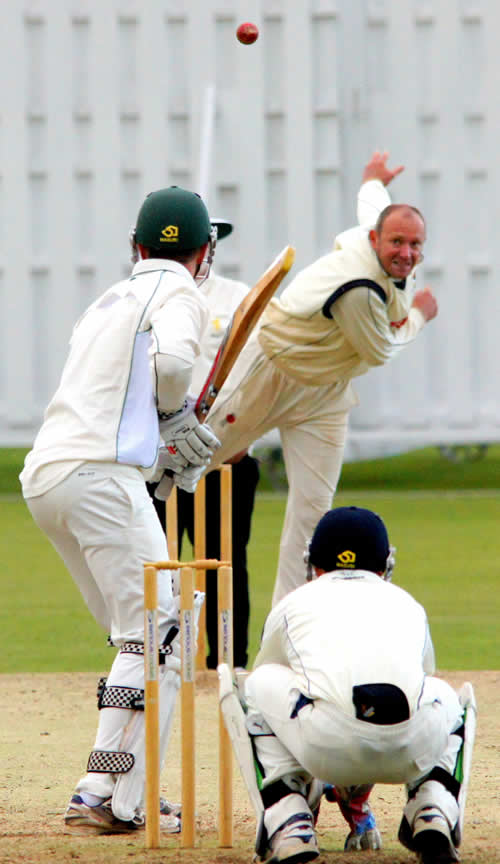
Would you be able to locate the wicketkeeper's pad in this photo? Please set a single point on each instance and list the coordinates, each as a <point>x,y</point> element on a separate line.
<point>234,720</point>
<point>463,769</point>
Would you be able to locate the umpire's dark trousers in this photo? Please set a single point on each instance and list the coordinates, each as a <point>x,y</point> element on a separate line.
<point>244,484</point>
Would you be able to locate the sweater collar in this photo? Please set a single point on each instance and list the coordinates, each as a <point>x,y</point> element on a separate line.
<point>147,265</point>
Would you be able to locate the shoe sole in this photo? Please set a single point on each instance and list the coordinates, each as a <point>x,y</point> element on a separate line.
<point>298,858</point>
<point>88,829</point>
<point>94,830</point>
<point>433,847</point>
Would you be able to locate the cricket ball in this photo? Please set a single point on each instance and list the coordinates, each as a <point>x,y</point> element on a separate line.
<point>247,33</point>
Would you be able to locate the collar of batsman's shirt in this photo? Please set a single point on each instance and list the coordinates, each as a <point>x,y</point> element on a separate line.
<point>148,265</point>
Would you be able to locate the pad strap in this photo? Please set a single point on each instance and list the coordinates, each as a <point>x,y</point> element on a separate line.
<point>164,650</point>
<point>447,780</point>
<point>110,762</point>
<point>119,697</point>
<point>132,648</point>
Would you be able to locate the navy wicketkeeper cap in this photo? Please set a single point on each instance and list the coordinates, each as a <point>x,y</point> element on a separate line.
<point>350,538</point>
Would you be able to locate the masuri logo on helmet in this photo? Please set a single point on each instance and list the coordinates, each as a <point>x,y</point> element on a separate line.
<point>170,234</point>
<point>346,559</point>
<point>351,538</point>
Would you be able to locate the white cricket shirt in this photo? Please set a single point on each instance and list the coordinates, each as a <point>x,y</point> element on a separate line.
<point>317,341</point>
<point>105,408</point>
<point>348,628</point>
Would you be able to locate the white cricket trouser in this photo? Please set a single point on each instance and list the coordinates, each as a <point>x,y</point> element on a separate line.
<point>342,750</point>
<point>312,422</point>
<point>103,524</point>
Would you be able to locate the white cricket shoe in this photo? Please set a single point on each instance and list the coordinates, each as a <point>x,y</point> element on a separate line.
<point>80,818</point>
<point>168,808</point>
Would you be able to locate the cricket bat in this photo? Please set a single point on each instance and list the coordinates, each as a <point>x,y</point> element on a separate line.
<point>239,328</point>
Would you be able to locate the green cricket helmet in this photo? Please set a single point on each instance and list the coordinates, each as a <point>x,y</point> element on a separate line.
<point>173,218</point>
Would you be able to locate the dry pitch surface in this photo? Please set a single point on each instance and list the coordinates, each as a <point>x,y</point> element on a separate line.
<point>47,728</point>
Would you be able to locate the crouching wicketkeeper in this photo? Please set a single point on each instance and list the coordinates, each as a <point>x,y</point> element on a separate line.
<point>342,692</point>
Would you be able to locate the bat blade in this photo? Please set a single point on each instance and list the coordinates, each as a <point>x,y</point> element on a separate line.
<point>239,328</point>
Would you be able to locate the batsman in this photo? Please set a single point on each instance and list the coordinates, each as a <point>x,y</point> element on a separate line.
<point>122,415</point>
<point>125,381</point>
<point>343,695</point>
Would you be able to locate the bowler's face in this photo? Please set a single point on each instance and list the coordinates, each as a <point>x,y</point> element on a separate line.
<point>400,243</point>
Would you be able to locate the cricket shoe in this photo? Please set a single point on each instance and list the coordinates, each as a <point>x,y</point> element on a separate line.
<point>431,837</point>
<point>167,808</point>
<point>80,818</point>
<point>293,843</point>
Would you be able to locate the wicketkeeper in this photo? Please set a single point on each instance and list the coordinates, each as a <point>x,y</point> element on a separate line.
<point>343,692</point>
<point>125,381</point>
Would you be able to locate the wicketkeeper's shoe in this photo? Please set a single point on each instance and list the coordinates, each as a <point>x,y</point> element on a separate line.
<point>80,818</point>
<point>430,838</point>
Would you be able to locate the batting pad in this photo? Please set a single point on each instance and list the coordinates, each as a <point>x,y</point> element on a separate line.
<point>128,794</point>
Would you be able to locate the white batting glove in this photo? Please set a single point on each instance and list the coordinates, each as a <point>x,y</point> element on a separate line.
<point>188,478</point>
<point>168,461</point>
<point>187,441</point>
<point>164,488</point>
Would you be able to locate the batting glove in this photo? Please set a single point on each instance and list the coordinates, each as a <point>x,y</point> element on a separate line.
<point>188,478</point>
<point>164,487</point>
<point>168,461</point>
<point>187,441</point>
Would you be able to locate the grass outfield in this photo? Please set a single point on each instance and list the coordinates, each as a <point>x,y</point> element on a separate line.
<point>447,558</point>
<point>420,469</point>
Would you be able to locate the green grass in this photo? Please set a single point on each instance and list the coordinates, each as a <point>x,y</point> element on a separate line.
<point>43,618</point>
<point>463,468</point>
<point>447,557</point>
<point>11,464</point>
<point>420,469</point>
<point>426,469</point>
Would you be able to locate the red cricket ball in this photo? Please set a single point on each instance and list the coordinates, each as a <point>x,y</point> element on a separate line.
<point>247,33</point>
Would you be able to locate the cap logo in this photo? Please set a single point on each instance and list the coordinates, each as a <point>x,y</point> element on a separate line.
<point>346,559</point>
<point>170,234</point>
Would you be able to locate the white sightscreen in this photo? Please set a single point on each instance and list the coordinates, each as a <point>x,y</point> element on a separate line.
<point>103,101</point>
